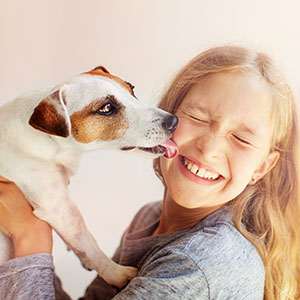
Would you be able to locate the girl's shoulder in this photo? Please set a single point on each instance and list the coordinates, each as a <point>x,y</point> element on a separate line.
<point>213,258</point>
<point>215,238</point>
<point>221,252</point>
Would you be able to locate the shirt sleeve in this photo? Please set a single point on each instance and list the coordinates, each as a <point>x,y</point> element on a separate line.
<point>33,277</point>
<point>28,277</point>
<point>173,276</point>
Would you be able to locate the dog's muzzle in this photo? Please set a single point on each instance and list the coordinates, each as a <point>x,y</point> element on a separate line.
<point>168,148</point>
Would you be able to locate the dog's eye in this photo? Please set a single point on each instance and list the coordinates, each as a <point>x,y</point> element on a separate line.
<point>106,110</point>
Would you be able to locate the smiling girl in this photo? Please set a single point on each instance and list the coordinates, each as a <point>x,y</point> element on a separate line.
<point>238,140</point>
<point>228,227</point>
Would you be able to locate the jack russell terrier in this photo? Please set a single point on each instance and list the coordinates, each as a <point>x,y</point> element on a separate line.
<point>43,134</point>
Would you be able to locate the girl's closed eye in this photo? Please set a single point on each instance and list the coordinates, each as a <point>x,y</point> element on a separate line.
<point>201,119</point>
<point>243,141</point>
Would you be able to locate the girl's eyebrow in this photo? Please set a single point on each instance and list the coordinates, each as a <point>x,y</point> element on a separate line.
<point>245,129</point>
<point>198,107</point>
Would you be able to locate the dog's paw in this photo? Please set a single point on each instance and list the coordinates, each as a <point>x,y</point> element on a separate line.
<point>120,276</point>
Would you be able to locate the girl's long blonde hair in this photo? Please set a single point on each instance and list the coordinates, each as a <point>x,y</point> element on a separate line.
<point>270,209</point>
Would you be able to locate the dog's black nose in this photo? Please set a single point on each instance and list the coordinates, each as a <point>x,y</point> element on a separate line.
<point>170,123</point>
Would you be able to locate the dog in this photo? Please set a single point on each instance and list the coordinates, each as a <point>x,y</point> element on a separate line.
<point>43,134</point>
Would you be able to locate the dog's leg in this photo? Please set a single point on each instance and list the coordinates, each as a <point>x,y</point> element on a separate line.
<point>55,207</point>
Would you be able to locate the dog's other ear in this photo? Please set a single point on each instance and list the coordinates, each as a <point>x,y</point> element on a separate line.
<point>51,115</point>
<point>100,68</point>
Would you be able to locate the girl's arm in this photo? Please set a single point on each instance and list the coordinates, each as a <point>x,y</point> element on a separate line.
<point>29,275</point>
<point>29,234</point>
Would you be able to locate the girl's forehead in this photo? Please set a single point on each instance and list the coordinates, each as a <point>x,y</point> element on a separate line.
<point>231,91</point>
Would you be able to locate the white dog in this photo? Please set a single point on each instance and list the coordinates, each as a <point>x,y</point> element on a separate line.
<point>43,134</point>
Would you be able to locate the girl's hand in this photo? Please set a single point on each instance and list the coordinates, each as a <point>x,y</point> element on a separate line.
<point>29,234</point>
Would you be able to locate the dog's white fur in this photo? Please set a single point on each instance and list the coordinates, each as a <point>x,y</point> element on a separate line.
<point>40,163</point>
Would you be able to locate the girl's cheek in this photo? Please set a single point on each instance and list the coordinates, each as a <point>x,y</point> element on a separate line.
<point>184,132</point>
<point>243,163</point>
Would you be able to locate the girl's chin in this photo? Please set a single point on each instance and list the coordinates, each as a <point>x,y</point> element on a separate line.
<point>191,203</point>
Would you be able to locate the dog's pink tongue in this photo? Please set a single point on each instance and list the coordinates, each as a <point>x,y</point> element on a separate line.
<point>171,149</point>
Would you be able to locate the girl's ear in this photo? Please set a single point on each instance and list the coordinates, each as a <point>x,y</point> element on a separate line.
<point>266,166</point>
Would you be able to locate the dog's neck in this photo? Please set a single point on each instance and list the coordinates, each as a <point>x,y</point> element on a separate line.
<point>68,160</point>
<point>66,174</point>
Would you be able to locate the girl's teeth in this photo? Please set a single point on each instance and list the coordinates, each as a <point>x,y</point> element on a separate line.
<point>200,172</point>
<point>194,169</point>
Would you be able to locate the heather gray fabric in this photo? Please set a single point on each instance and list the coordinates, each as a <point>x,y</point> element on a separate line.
<point>29,277</point>
<point>207,262</point>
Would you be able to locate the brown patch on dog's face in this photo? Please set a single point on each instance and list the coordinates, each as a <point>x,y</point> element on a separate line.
<point>101,71</point>
<point>89,124</point>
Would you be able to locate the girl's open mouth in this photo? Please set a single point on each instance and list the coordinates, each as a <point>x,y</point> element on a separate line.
<point>198,171</point>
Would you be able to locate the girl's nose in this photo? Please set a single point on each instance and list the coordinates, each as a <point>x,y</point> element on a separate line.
<point>211,146</point>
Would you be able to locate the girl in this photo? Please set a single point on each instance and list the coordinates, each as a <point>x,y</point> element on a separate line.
<point>228,225</point>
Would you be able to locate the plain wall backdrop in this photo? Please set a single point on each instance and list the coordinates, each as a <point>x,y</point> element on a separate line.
<point>144,42</point>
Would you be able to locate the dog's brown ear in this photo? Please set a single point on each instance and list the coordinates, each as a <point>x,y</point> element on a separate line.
<point>51,116</point>
<point>98,71</point>
<point>100,68</point>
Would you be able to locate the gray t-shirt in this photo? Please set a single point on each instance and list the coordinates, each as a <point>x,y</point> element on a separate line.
<point>210,261</point>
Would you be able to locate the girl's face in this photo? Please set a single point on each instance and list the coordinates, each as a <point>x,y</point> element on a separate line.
<point>224,137</point>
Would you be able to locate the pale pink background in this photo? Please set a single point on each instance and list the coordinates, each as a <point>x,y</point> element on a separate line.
<point>145,42</point>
